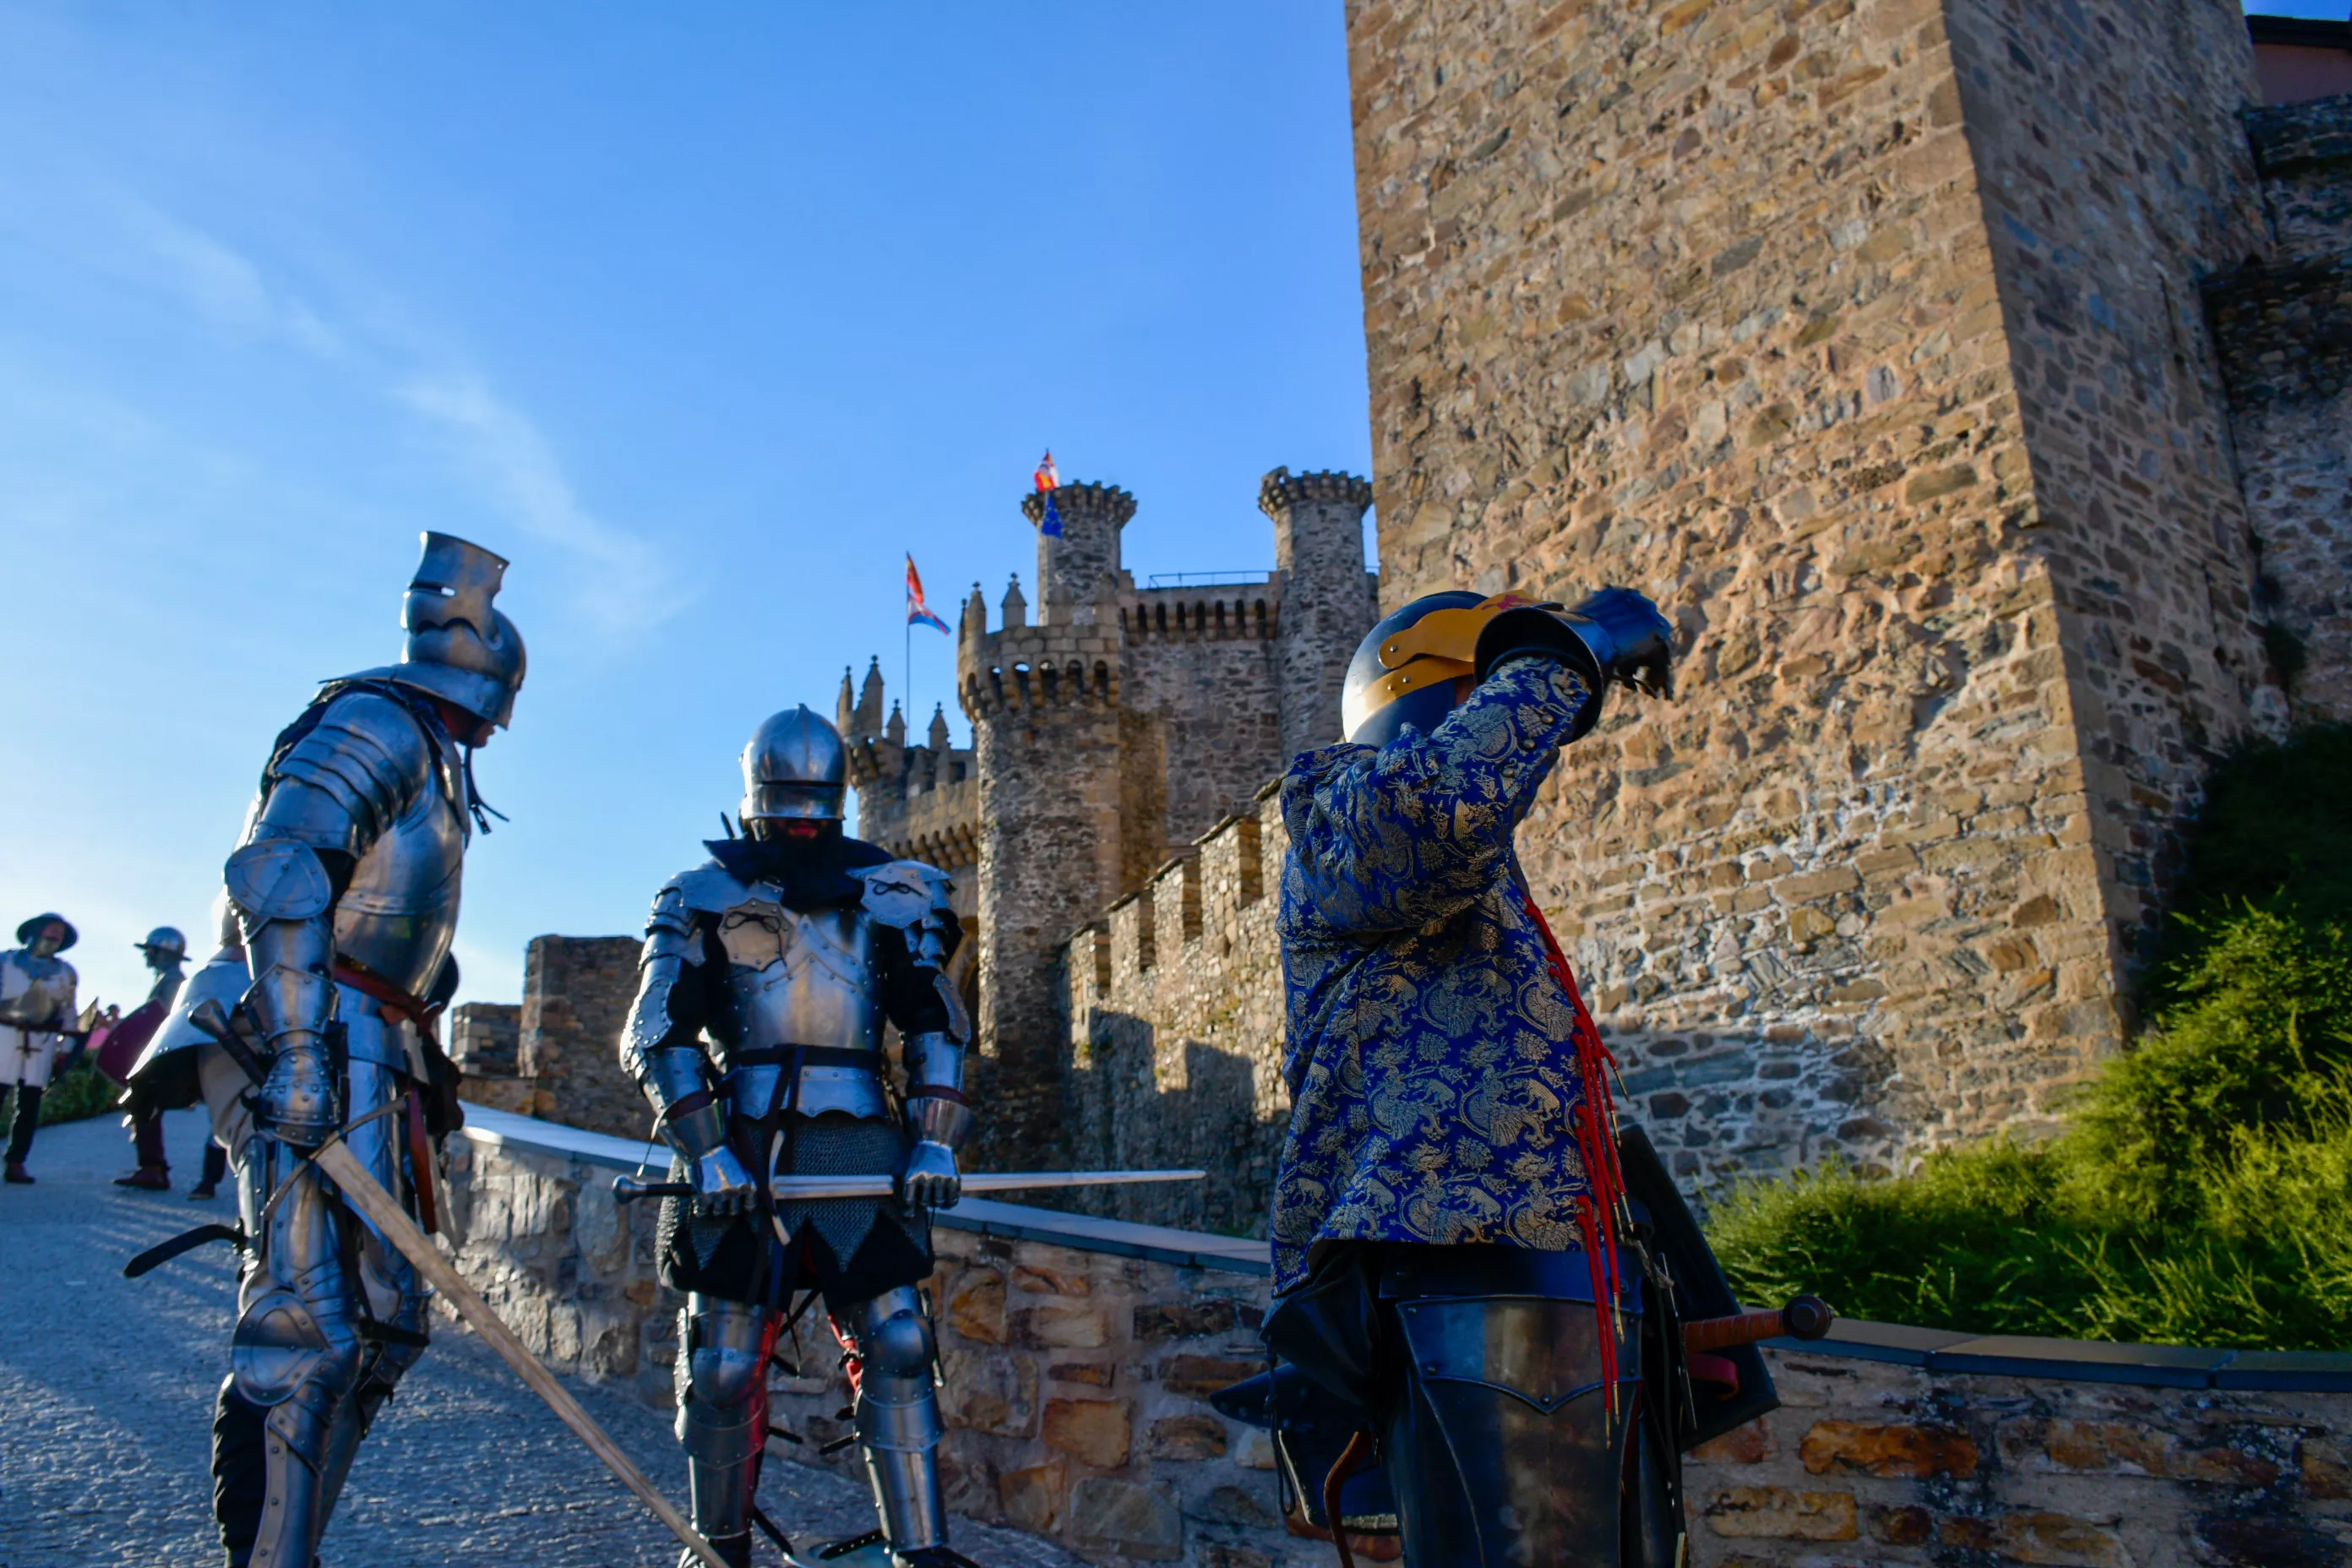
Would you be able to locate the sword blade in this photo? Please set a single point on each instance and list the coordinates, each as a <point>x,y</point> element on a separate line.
<point>629,1189</point>
<point>803,1187</point>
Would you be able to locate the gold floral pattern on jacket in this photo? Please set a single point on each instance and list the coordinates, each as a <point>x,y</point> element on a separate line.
<point>1427,1043</point>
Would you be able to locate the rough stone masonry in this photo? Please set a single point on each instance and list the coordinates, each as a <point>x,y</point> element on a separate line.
<point>1869,337</point>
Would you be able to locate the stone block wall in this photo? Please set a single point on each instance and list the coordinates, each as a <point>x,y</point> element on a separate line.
<point>484,1041</point>
<point>1175,1046</point>
<point>1078,1364</point>
<point>1871,1463</point>
<point>2116,175</point>
<point>536,1231</point>
<point>2283,326</point>
<point>576,992</point>
<point>1077,1387</point>
<point>1724,301</point>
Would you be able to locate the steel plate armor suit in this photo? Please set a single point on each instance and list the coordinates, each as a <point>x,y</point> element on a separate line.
<point>345,890</point>
<point>756,1036</point>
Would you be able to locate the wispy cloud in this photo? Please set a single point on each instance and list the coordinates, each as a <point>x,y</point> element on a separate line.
<point>220,283</point>
<point>625,586</point>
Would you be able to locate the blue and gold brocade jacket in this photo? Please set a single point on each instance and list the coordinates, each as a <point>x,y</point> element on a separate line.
<point>1428,1046</point>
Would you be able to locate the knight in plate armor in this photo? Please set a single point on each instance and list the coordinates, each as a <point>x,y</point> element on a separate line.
<point>36,1009</point>
<point>757,1035</point>
<point>342,902</point>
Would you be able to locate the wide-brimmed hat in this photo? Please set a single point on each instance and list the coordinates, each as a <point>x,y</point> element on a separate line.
<point>32,928</point>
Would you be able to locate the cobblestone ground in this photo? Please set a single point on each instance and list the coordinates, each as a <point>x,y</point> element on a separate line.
<point>105,1398</point>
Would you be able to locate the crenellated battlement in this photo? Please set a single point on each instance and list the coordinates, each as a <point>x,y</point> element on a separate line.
<point>1112,727</point>
<point>1173,1002</point>
<point>1251,611</point>
<point>918,802</point>
<point>1282,491</point>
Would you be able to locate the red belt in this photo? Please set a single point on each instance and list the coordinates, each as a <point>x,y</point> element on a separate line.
<point>382,992</point>
<point>421,1013</point>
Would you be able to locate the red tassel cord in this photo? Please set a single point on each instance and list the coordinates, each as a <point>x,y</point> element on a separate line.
<point>1601,1212</point>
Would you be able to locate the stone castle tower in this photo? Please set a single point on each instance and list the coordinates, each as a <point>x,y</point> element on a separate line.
<point>1109,732</point>
<point>1967,379</point>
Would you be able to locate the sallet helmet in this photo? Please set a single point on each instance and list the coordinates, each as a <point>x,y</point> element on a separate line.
<point>1405,670</point>
<point>794,768</point>
<point>1377,702</point>
<point>165,943</point>
<point>460,648</point>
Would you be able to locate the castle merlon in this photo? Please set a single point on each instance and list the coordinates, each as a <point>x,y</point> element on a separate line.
<point>1282,489</point>
<point>1192,904</point>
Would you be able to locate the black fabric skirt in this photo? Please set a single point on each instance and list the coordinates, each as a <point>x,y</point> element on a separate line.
<point>849,1248</point>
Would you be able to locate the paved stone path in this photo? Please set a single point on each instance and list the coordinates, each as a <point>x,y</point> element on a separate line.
<point>105,1400</point>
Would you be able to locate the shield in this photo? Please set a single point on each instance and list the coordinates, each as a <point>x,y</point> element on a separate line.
<point>119,1048</point>
<point>1700,1289</point>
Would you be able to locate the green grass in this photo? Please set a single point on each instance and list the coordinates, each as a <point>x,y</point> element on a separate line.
<point>2201,1192</point>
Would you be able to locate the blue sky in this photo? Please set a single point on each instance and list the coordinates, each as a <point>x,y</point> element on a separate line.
<point>2316,10</point>
<point>703,315</point>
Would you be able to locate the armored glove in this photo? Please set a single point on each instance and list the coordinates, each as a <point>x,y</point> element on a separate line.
<point>1615,635</point>
<point>929,1180</point>
<point>299,1102</point>
<point>721,1184</point>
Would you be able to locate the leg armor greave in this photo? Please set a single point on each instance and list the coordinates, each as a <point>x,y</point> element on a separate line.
<point>1500,1440</point>
<point>722,1411</point>
<point>296,1357</point>
<point>898,1416</point>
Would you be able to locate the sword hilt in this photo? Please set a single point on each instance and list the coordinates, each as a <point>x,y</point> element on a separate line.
<point>1804,1318</point>
<point>629,1189</point>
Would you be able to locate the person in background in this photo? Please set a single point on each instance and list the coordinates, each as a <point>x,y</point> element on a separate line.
<point>37,1010</point>
<point>164,1075</point>
<point>166,952</point>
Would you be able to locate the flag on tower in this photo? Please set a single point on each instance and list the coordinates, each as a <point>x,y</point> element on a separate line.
<point>1049,479</point>
<point>918,614</point>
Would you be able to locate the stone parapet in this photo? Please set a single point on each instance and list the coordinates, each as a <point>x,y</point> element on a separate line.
<point>1034,667</point>
<point>1251,611</point>
<point>576,992</point>
<point>1175,1009</point>
<point>1078,1355</point>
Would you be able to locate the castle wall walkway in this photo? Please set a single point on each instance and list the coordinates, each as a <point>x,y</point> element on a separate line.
<point>1078,1353</point>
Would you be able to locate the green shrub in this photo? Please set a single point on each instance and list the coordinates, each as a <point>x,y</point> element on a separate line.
<point>2201,1192</point>
<point>81,1090</point>
<point>2258,1039</point>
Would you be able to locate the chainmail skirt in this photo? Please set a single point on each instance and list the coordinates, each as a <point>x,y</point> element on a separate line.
<point>849,1248</point>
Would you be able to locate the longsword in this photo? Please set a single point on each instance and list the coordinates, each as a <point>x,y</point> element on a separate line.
<point>366,1194</point>
<point>795,1189</point>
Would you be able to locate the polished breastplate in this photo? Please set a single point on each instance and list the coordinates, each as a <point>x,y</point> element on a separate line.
<point>400,913</point>
<point>796,981</point>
